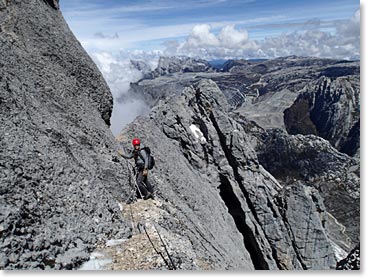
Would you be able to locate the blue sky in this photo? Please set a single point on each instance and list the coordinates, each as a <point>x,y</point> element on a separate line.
<point>147,25</point>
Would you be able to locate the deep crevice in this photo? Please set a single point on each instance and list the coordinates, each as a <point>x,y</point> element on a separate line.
<point>239,217</point>
<point>234,206</point>
<point>234,165</point>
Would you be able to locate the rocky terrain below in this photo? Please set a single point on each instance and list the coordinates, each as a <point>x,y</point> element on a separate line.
<point>233,191</point>
<point>265,180</point>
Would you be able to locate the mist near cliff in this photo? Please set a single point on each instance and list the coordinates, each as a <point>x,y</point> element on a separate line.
<point>119,72</point>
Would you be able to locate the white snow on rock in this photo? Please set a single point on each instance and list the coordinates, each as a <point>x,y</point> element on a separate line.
<point>197,133</point>
<point>97,261</point>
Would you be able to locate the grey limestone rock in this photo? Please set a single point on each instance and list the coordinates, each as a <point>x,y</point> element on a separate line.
<point>302,95</point>
<point>305,215</point>
<point>329,108</point>
<point>208,167</point>
<point>169,65</point>
<point>59,182</point>
<point>232,191</point>
<point>316,163</point>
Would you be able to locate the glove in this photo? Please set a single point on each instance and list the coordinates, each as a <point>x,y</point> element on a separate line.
<point>145,172</point>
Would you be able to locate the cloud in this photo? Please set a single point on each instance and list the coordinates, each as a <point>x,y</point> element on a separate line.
<point>227,41</point>
<point>352,27</point>
<point>343,44</point>
<point>311,40</point>
<point>232,38</point>
<point>202,42</point>
<point>102,35</point>
<point>201,36</point>
<point>119,72</point>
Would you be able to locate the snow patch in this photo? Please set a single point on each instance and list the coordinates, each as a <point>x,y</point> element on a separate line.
<point>120,206</point>
<point>113,242</point>
<point>197,133</point>
<point>340,254</point>
<point>97,261</point>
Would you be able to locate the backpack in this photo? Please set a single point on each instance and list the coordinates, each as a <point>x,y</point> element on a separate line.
<point>151,161</point>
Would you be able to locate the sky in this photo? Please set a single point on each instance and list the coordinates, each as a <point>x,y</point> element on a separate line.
<point>217,28</point>
<point>115,31</point>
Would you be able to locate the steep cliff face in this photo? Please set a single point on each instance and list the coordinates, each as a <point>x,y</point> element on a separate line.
<point>58,180</point>
<point>209,167</point>
<point>314,162</point>
<point>329,108</point>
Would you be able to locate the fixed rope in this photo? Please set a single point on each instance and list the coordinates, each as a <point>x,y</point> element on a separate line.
<point>155,249</point>
<point>165,248</point>
<point>133,176</point>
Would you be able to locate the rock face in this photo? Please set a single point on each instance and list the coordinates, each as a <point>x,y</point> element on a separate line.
<point>328,108</point>
<point>58,179</point>
<point>314,162</point>
<point>212,170</point>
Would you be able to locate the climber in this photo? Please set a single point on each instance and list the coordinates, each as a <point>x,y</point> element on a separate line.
<point>141,157</point>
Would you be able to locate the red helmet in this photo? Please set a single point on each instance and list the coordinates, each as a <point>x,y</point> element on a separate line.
<point>136,141</point>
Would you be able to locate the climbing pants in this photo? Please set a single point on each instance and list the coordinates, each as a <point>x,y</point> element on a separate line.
<point>143,183</point>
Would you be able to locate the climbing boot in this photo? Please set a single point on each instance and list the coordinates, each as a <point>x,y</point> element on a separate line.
<point>130,200</point>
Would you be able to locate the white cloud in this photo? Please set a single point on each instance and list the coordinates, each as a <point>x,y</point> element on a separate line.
<point>343,43</point>
<point>352,27</point>
<point>202,42</point>
<point>201,36</point>
<point>232,38</point>
<point>125,112</point>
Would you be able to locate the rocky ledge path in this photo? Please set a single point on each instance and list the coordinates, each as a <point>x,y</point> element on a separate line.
<point>144,250</point>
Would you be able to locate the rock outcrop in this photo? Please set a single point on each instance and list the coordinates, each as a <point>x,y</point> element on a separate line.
<point>59,180</point>
<point>314,162</point>
<point>352,261</point>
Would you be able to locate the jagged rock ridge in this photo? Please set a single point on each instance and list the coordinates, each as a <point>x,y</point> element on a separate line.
<point>223,164</point>
<point>330,109</point>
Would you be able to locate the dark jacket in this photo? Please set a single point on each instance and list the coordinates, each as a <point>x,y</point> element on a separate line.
<point>141,161</point>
